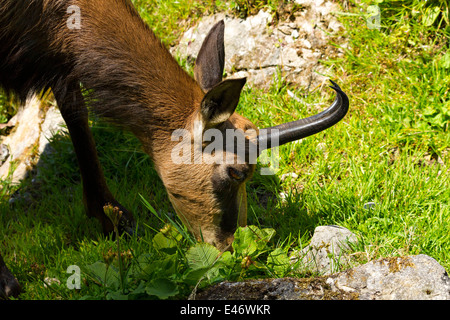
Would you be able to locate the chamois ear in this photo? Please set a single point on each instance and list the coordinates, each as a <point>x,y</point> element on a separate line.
<point>210,61</point>
<point>221,101</point>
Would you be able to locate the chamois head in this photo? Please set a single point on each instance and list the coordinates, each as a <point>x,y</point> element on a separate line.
<point>215,154</point>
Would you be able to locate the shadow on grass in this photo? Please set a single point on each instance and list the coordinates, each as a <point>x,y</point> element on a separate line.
<point>52,191</point>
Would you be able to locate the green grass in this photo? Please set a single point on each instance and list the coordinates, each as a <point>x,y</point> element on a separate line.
<point>385,151</point>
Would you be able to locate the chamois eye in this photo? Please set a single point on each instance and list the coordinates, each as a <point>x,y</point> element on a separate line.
<point>235,174</point>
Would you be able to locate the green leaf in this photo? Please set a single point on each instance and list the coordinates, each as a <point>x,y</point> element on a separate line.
<point>226,258</point>
<point>148,266</point>
<point>138,292</point>
<point>265,235</point>
<point>250,240</point>
<point>167,241</point>
<point>445,15</point>
<point>193,276</point>
<point>203,261</point>
<point>202,255</point>
<point>162,288</point>
<point>446,108</point>
<point>108,276</point>
<point>244,243</point>
<point>278,261</point>
<point>430,16</point>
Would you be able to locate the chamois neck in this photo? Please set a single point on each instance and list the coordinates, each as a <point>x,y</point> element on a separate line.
<point>135,82</point>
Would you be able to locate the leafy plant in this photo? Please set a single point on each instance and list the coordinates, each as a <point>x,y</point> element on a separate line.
<point>173,270</point>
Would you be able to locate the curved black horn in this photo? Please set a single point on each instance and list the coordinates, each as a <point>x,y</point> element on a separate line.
<point>296,130</point>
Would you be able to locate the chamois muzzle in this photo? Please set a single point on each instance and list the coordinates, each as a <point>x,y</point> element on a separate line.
<point>299,129</point>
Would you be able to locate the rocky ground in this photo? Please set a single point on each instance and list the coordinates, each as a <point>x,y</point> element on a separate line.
<point>417,277</point>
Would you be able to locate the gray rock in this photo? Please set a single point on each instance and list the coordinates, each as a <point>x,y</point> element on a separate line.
<point>269,289</point>
<point>22,139</point>
<point>34,124</point>
<point>256,49</point>
<point>53,123</point>
<point>4,153</point>
<point>405,278</point>
<point>327,251</point>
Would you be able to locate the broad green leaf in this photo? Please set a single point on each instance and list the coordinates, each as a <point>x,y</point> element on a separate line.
<point>226,258</point>
<point>430,16</point>
<point>107,275</point>
<point>244,241</point>
<point>193,276</point>
<point>138,292</point>
<point>202,255</point>
<point>265,235</point>
<point>250,240</point>
<point>162,288</point>
<point>278,261</point>
<point>167,240</point>
<point>148,266</point>
<point>203,260</point>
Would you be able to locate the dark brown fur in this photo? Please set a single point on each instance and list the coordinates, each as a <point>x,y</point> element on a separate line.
<point>114,51</point>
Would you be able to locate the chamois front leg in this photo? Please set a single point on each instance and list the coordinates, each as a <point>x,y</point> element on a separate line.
<point>9,287</point>
<point>95,190</point>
